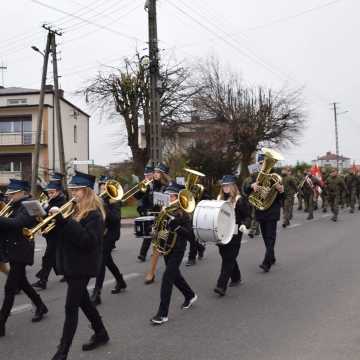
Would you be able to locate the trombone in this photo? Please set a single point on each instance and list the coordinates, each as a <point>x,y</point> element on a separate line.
<point>113,190</point>
<point>7,210</point>
<point>49,223</point>
<point>141,186</point>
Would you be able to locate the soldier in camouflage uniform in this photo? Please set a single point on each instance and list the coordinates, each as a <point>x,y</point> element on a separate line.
<point>334,186</point>
<point>352,184</point>
<point>343,192</point>
<point>290,189</point>
<point>299,194</point>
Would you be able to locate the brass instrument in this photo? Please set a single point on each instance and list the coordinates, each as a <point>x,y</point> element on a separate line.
<point>43,199</point>
<point>192,185</point>
<point>49,223</point>
<point>7,210</point>
<point>141,186</point>
<point>113,190</point>
<point>265,196</point>
<point>164,239</point>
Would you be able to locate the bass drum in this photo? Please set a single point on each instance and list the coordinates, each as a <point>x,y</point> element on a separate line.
<point>214,222</point>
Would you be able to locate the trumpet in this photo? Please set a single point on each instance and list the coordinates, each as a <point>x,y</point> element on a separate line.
<point>141,186</point>
<point>113,190</point>
<point>7,210</point>
<point>49,223</point>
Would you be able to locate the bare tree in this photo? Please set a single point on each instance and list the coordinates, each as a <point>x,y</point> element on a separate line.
<point>252,117</point>
<point>125,90</point>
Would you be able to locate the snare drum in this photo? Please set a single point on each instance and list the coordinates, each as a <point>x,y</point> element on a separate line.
<point>144,226</point>
<point>214,221</point>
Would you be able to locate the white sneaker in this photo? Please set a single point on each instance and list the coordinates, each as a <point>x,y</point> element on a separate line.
<point>159,320</point>
<point>188,303</point>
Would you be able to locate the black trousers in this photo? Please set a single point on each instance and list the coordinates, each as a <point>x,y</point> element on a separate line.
<point>78,297</point>
<point>195,248</point>
<point>145,247</point>
<point>48,260</point>
<point>229,265</point>
<point>268,231</point>
<point>107,261</point>
<point>172,276</point>
<point>17,280</point>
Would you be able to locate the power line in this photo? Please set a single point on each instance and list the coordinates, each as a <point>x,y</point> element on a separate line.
<point>294,16</point>
<point>104,27</point>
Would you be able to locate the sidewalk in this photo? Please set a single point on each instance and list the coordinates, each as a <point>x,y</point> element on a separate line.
<point>127,222</point>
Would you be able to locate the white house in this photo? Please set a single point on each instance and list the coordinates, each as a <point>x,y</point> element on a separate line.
<point>19,109</point>
<point>331,160</point>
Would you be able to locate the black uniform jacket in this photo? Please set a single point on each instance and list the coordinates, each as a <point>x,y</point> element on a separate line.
<point>181,224</point>
<point>273,212</point>
<point>55,202</point>
<point>79,249</point>
<point>112,223</point>
<point>17,247</point>
<point>146,199</point>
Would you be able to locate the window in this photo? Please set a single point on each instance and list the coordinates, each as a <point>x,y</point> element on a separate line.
<point>75,134</point>
<point>11,166</point>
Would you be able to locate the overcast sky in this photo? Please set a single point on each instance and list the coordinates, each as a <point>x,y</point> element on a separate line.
<point>310,43</point>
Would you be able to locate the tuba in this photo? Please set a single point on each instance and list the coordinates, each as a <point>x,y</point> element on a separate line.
<point>164,239</point>
<point>49,223</point>
<point>192,185</point>
<point>265,196</point>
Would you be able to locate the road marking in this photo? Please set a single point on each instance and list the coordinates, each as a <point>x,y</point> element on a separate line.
<point>27,307</point>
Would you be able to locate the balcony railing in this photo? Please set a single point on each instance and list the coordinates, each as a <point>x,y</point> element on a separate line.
<point>25,138</point>
<point>5,176</point>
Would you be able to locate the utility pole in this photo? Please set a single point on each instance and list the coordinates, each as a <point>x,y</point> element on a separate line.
<point>336,136</point>
<point>50,48</point>
<point>3,68</point>
<point>35,169</point>
<point>58,110</point>
<point>155,84</point>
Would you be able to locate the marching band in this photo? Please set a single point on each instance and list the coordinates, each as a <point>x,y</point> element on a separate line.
<point>81,233</point>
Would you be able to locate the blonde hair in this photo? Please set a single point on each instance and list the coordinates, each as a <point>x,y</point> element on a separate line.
<point>90,202</point>
<point>234,193</point>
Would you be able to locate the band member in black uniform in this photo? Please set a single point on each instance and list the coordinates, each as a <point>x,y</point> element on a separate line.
<point>161,181</point>
<point>20,252</point>
<point>3,258</point>
<point>57,198</point>
<point>181,224</point>
<point>145,206</point>
<point>112,234</point>
<point>268,224</point>
<point>78,257</point>
<point>229,252</point>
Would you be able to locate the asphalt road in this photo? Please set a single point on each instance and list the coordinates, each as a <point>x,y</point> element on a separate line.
<point>306,308</point>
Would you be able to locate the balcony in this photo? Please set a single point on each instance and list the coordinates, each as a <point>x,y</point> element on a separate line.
<point>24,138</point>
<point>5,176</point>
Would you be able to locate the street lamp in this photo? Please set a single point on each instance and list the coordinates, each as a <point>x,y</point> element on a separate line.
<point>37,50</point>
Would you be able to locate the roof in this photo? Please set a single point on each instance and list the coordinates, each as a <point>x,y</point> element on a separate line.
<point>49,89</point>
<point>330,156</point>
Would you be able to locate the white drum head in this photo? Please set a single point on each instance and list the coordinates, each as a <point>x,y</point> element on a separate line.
<point>214,221</point>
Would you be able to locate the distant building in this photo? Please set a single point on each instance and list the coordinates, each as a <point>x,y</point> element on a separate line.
<point>19,109</point>
<point>181,136</point>
<point>331,160</point>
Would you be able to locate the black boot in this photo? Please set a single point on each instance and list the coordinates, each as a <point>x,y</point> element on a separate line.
<point>62,353</point>
<point>95,297</point>
<point>39,313</point>
<point>120,286</point>
<point>2,326</point>
<point>98,339</point>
